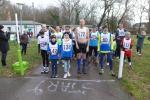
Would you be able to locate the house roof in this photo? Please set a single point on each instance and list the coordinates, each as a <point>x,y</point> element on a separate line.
<point>27,22</point>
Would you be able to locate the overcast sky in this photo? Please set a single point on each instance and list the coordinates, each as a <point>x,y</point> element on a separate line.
<point>45,3</point>
<point>38,3</point>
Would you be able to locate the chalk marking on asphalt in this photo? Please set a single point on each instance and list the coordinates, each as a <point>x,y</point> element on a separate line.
<point>37,90</point>
<point>75,80</point>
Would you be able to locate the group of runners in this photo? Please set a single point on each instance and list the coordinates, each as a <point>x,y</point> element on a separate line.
<point>62,45</point>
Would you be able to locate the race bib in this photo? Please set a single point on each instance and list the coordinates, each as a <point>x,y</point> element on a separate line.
<point>54,49</point>
<point>127,44</point>
<point>105,38</point>
<point>82,35</point>
<point>93,37</point>
<point>67,46</point>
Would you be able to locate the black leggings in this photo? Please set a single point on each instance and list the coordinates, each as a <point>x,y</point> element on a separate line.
<point>24,48</point>
<point>129,59</point>
<point>118,49</point>
<point>45,58</point>
<point>91,49</point>
<point>3,58</point>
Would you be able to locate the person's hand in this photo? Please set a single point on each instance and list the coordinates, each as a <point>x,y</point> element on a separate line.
<point>87,49</point>
<point>48,53</point>
<point>77,46</point>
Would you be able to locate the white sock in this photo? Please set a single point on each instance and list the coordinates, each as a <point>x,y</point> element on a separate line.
<point>129,63</point>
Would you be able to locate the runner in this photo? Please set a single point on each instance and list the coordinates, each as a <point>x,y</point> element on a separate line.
<point>67,53</point>
<point>120,34</point>
<point>104,48</point>
<point>43,43</point>
<point>74,45</point>
<point>67,29</point>
<point>54,52</point>
<point>82,44</point>
<point>46,30</point>
<point>140,42</point>
<point>58,34</point>
<point>93,44</point>
<point>127,44</point>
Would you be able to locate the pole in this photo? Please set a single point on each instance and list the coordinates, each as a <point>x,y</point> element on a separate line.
<point>21,20</point>
<point>33,18</point>
<point>19,50</point>
<point>121,65</point>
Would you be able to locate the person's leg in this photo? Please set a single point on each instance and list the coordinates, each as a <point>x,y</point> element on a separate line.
<point>22,48</point>
<point>84,63</point>
<point>43,60</point>
<point>3,59</point>
<point>129,60</point>
<point>140,50</point>
<point>25,49</point>
<point>118,50</point>
<point>109,55</point>
<point>65,68</point>
<point>43,57</point>
<point>79,63</point>
<point>137,49</point>
<point>56,70</point>
<point>102,55</point>
<point>52,68</point>
<point>107,58</point>
<point>96,55</point>
<point>47,62</point>
<point>90,54</point>
<point>69,68</point>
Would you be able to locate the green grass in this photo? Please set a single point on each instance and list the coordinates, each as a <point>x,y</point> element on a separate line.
<point>137,82</point>
<point>32,57</point>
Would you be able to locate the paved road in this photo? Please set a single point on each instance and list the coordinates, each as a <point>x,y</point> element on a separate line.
<point>91,86</point>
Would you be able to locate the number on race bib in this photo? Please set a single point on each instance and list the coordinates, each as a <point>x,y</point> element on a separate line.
<point>54,51</point>
<point>82,35</point>
<point>127,45</point>
<point>66,47</point>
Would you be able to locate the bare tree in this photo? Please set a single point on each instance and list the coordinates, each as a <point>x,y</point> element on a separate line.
<point>107,5</point>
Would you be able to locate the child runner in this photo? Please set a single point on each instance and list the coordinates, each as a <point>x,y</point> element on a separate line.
<point>54,51</point>
<point>104,48</point>
<point>67,53</point>
<point>93,44</point>
<point>43,43</point>
<point>140,42</point>
<point>58,34</point>
<point>127,44</point>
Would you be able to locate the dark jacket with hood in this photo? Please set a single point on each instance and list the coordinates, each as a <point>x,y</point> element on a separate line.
<point>4,45</point>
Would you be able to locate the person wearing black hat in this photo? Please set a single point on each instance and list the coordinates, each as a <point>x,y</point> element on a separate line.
<point>4,45</point>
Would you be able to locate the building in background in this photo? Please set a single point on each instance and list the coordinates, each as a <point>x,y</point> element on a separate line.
<point>10,26</point>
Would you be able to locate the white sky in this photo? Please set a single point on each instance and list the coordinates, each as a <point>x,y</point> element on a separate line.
<point>45,3</point>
